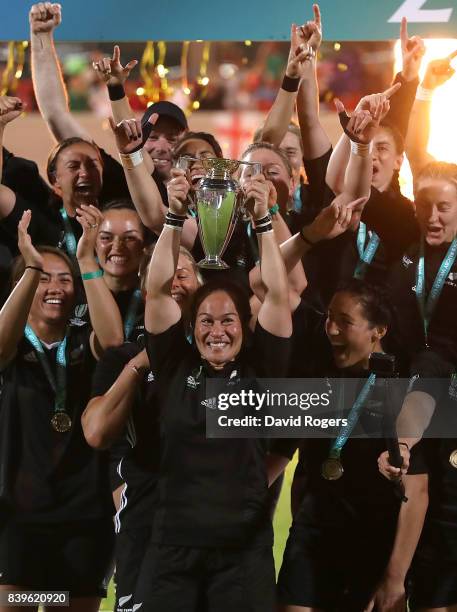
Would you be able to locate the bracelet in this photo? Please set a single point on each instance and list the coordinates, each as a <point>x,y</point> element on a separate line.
<point>403,444</point>
<point>175,217</point>
<point>424,94</point>
<point>361,149</point>
<point>90,275</point>
<point>130,160</point>
<point>266,227</point>
<point>304,238</point>
<point>172,220</point>
<point>274,209</point>
<point>263,220</point>
<point>116,92</point>
<point>177,228</point>
<point>290,83</point>
<point>33,268</point>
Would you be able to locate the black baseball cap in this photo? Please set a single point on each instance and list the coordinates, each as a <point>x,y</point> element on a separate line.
<point>166,109</point>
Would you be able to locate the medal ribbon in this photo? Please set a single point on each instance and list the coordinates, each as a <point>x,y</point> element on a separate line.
<point>353,417</point>
<point>427,307</point>
<point>130,317</point>
<point>69,236</point>
<point>297,200</point>
<point>58,384</point>
<point>366,255</point>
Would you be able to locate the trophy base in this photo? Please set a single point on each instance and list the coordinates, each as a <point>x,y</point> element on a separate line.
<point>213,263</point>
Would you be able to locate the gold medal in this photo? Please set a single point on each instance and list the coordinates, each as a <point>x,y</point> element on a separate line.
<point>332,469</point>
<point>61,422</point>
<point>453,459</point>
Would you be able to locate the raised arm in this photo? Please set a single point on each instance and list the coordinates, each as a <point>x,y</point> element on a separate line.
<point>10,109</point>
<point>47,78</point>
<point>104,313</point>
<point>274,315</point>
<point>281,112</point>
<point>143,189</point>
<point>295,274</point>
<point>15,312</point>
<point>437,73</point>
<point>350,165</point>
<point>114,75</point>
<point>162,311</point>
<point>315,140</point>
<point>412,51</point>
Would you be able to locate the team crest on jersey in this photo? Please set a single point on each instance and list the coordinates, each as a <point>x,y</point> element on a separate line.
<point>151,377</point>
<point>210,403</point>
<point>80,311</point>
<point>452,279</point>
<point>125,600</point>
<point>406,261</point>
<point>193,381</point>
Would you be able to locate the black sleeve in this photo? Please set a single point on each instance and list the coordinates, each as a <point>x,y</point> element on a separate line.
<point>430,373</point>
<point>43,229</point>
<point>316,170</point>
<point>418,460</point>
<point>271,354</point>
<point>167,350</point>
<point>392,217</point>
<point>284,447</point>
<point>114,182</point>
<point>111,365</point>
<point>401,104</point>
<point>22,176</point>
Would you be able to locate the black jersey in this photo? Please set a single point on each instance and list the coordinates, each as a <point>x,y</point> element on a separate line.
<point>433,375</point>
<point>212,492</point>
<point>136,453</point>
<point>48,476</point>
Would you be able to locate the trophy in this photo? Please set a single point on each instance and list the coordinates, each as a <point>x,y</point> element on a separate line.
<point>218,201</point>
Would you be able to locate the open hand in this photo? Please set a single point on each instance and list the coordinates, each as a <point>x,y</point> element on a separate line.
<point>24,242</point>
<point>90,218</point>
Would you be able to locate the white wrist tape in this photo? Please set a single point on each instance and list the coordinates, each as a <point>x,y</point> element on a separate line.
<point>130,160</point>
<point>424,94</point>
<point>360,149</point>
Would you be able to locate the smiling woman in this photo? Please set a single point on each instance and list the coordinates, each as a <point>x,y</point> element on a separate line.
<point>45,362</point>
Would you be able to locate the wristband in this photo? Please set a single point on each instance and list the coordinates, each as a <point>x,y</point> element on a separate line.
<point>424,94</point>
<point>265,228</point>
<point>274,209</point>
<point>116,92</point>
<point>130,160</point>
<point>175,217</point>
<point>90,275</point>
<point>290,83</point>
<point>361,149</point>
<point>403,444</point>
<point>305,239</point>
<point>263,220</point>
<point>33,268</point>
